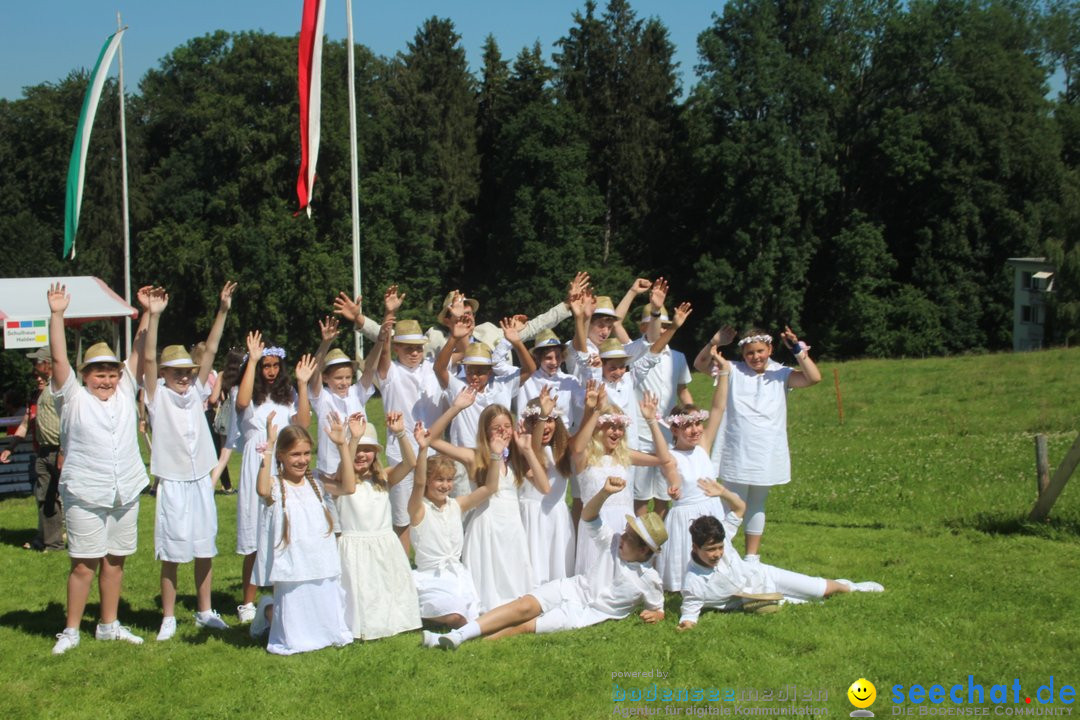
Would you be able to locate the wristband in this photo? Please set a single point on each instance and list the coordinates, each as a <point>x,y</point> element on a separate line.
<point>400,434</point>
<point>722,374</point>
<point>495,456</point>
<point>798,348</point>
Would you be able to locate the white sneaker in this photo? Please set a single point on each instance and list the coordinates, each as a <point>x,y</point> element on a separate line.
<point>246,612</point>
<point>430,639</point>
<point>450,640</point>
<point>756,559</point>
<point>66,640</point>
<point>867,586</point>
<point>168,629</point>
<point>210,619</point>
<point>116,631</point>
<point>261,624</point>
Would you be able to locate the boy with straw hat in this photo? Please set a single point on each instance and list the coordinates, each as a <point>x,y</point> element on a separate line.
<point>103,472</point>
<point>566,390</point>
<point>181,458</point>
<point>613,588</point>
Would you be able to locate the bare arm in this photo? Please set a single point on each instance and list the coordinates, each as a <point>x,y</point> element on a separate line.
<point>213,339</point>
<point>719,399</point>
<point>591,511</point>
<point>328,332</point>
<point>640,285</point>
<point>463,455</point>
<point>305,370</point>
<point>247,382</point>
<point>537,474</point>
<point>715,489</point>
<point>263,483</point>
<point>511,328</point>
<point>159,300</point>
<point>375,359</point>
<point>595,394</point>
<point>395,425</point>
<point>808,373</point>
<point>58,302</point>
<point>459,331</point>
<point>134,361</point>
<point>416,499</point>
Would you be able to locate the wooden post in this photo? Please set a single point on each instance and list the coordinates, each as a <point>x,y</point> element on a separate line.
<point>839,397</point>
<point>1057,483</point>
<point>1042,464</point>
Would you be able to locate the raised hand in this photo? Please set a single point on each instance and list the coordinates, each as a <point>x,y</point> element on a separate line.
<point>143,296</point>
<point>577,286</point>
<point>547,402</point>
<point>462,328</point>
<point>392,300</point>
<point>328,328</point>
<point>348,308</point>
<point>595,394</point>
<point>59,298</point>
<point>465,398</point>
<point>511,327</point>
<point>681,313</point>
<point>255,346</point>
<point>711,488</point>
<point>457,305</point>
<point>614,484</point>
<point>499,442</point>
<point>423,437</point>
<point>305,369</point>
<point>522,438</point>
<point>648,405</point>
<point>723,336</point>
<point>357,425</point>
<point>395,423</point>
<point>159,300</point>
<point>225,298</point>
<point>271,430</point>
<point>719,360</point>
<point>640,285</point>
<point>386,331</point>
<point>658,293</point>
<point>335,429</point>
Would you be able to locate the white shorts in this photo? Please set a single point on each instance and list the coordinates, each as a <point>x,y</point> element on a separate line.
<point>564,606</point>
<point>185,523</point>
<point>94,531</point>
<point>650,484</point>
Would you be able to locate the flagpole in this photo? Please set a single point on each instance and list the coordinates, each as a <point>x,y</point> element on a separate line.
<point>354,171</point>
<point>124,182</point>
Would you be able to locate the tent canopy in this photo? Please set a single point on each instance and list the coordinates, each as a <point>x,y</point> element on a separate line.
<point>91,299</point>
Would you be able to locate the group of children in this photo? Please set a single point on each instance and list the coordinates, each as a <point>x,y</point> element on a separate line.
<point>481,455</point>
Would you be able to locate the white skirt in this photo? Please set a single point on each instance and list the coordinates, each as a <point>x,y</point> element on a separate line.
<point>308,615</point>
<point>185,521</point>
<point>672,559</point>
<point>447,590</point>
<point>550,534</point>
<point>497,554</point>
<point>380,598</point>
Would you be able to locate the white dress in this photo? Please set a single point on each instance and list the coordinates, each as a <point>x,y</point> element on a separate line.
<point>309,602</point>
<point>671,561</point>
<point>755,446</point>
<point>549,528</point>
<point>495,551</point>
<point>254,531</point>
<point>443,584</point>
<point>380,598</point>
<point>613,513</point>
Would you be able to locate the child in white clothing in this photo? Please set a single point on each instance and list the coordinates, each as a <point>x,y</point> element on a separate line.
<point>717,578</point>
<point>616,585</point>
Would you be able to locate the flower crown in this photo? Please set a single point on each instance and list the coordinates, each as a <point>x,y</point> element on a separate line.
<point>612,419</point>
<point>694,416</point>
<point>534,411</point>
<point>273,351</point>
<point>767,339</point>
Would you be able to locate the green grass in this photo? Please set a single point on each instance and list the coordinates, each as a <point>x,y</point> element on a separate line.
<point>924,488</point>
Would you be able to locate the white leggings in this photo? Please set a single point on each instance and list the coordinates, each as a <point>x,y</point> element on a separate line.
<point>754,497</point>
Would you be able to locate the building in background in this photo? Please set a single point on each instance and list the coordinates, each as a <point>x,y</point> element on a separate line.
<point>1033,279</point>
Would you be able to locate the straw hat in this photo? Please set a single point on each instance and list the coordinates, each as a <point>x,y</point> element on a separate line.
<point>546,339</point>
<point>444,313</point>
<point>612,349</point>
<point>649,528</point>
<point>98,353</point>
<point>176,356</point>
<point>759,603</point>
<point>409,333</point>
<point>42,354</point>
<point>604,306</point>
<point>477,354</point>
<point>369,438</point>
<point>647,317</point>
<point>336,357</point>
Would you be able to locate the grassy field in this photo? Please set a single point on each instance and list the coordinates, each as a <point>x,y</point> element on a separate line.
<point>924,488</point>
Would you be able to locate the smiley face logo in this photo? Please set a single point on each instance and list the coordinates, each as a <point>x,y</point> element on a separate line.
<point>862,693</point>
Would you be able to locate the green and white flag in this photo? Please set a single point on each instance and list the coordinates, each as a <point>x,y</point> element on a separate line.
<point>77,166</point>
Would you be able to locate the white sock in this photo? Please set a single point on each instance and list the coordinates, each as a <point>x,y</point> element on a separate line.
<point>470,630</point>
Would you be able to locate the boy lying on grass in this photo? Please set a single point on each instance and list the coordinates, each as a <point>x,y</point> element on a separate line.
<point>611,590</point>
<point>717,578</point>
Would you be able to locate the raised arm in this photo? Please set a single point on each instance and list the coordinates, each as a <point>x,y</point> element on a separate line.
<point>463,455</point>
<point>640,285</point>
<point>351,310</point>
<point>595,394</point>
<point>591,511</point>
<point>159,300</point>
<point>138,342</point>
<point>263,483</point>
<point>213,338</point>
<point>511,327</point>
<point>416,499</point>
<point>395,425</point>
<point>247,381</point>
<point>374,361</point>
<point>345,483</point>
<point>59,300</point>
<point>305,370</point>
<point>808,373</point>
<point>715,489</point>
<point>525,443</point>
<point>581,323</point>
<point>328,332</point>
<point>719,399</point>
<point>459,331</point>
<point>662,455</point>
<point>723,336</point>
<point>681,314</point>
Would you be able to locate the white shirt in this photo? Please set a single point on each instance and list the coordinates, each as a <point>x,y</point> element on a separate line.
<point>326,402</point>
<point>413,392</point>
<point>98,440</point>
<point>312,551</point>
<point>755,450</point>
<point>440,537</point>
<point>715,587</point>
<point>663,380</point>
<point>623,394</point>
<point>567,391</point>
<point>500,390</point>
<point>615,587</point>
<point>182,448</point>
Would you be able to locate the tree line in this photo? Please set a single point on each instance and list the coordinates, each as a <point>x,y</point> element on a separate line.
<point>858,169</point>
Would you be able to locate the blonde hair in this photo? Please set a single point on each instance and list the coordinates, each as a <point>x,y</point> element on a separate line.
<point>289,437</point>
<point>482,454</point>
<point>439,467</point>
<point>376,471</point>
<point>560,440</point>
<point>595,449</point>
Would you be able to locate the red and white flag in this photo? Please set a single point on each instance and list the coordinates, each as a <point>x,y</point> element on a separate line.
<point>311,42</point>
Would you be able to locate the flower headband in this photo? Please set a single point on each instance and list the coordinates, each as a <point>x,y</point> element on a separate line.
<point>695,416</point>
<point>611,419</point>
<point>767,339</point>
<point>272,351</point>
<point>533,411</point>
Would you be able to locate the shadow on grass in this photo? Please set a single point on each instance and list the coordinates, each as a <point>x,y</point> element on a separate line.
<point>16,538</point>
<point>44,623</point>
<point>1003,524</point>
<point>848,525</point>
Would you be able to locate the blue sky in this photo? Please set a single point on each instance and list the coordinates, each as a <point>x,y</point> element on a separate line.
<point>42,41</point>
